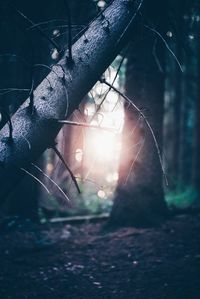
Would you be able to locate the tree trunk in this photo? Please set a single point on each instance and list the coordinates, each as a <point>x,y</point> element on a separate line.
<point>140,198</point>
<point>196,145</point>
<point>177,120</point>
<point>196,155</point>
<point>65,86</point>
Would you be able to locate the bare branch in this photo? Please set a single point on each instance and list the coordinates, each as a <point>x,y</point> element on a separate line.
<point>35,178</point>
<point>52,181</point>
<point>167,46</point>
<point>85,125</point>
<point>67,167</point>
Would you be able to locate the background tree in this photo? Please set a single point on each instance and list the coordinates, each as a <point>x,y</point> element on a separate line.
<point>196,143</point>
<point>180,107</point>
<point>17,76</point>
<point>140,194</point>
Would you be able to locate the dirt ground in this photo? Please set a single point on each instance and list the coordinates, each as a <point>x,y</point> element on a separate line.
<point>86,262</point>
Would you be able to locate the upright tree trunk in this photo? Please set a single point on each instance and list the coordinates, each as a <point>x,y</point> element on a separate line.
<point>140,197</point>
<point>177,120</point>
<point>196,155</point>
<point>196,145</point>
<point>183,142</point>
<point>172,117</point>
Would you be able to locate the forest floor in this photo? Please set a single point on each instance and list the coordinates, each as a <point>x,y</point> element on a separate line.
<point>52,261</point>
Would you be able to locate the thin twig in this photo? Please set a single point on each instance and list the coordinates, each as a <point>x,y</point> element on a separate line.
<point>105,96</point>
<point>156,58</point>
<point>67,167</point>
<point>130,22</point>
<point>4,91</point>
<point>73,123</point>
<point>38,28</point>
<point>167,46</point>
<point>45,22</point>
<point>36,179</point>
<point>51,180</point>
<point>90,181</point>
<point>81,32</point>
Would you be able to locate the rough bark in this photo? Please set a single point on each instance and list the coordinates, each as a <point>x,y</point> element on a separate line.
<point>92,54</point>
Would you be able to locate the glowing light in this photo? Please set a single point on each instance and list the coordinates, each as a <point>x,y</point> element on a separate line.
<point>55,54</point>
<point>102,146</point>
<point>56,32</point>
<point>94,123</point>
<point>79,155</point>
<point>111,102</point>
<point>115,176</point>
<point>101,194</point>
<point>169,34</point>
<point>101,4</point>
<point>89,110</point>
<point>99,89</point>
<point>112,177</point>
<point>49,168</point>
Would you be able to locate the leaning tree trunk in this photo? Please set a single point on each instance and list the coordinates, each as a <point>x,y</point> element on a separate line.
<point>61,92</point>
<point>140,198</point>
